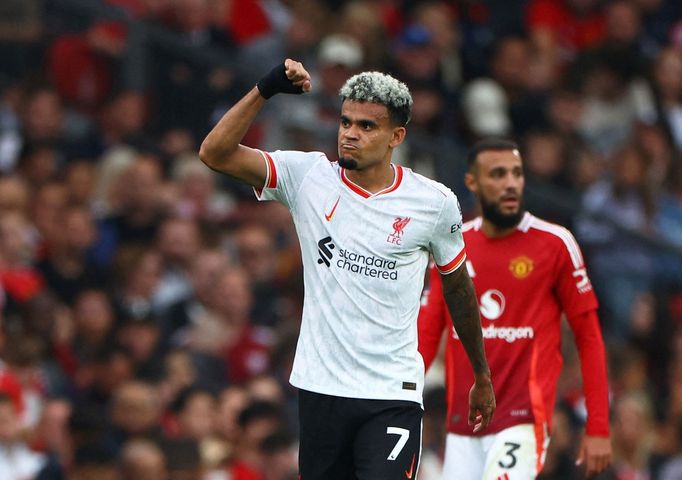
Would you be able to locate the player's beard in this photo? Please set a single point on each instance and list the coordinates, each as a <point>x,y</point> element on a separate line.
<point>348,163</point>
<point>492,213</point>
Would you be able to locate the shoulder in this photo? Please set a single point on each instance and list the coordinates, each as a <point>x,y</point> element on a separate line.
<point>427,186</point>
<point>472,225</point>
<point>295,155</point>
<point>554,235</point>
<point>292,163</point>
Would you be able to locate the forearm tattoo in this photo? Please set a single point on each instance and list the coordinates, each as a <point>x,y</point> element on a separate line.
<point>460,297</point>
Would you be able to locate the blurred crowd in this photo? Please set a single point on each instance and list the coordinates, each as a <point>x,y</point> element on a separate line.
<point>150,308</point>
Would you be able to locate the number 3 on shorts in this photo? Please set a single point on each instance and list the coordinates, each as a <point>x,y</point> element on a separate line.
<point>404,436</point>
<point>513,447</point>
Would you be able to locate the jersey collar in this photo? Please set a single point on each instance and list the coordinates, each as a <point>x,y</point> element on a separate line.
<point>525,222</point>
<point>397,180</point>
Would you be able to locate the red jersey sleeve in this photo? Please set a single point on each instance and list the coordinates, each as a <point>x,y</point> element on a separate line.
<point>432,318</point>
<point>590,345</point>
<point>573,286</point>
<point>578,301</point>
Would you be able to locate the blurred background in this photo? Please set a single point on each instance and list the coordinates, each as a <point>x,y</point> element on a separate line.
<point>150,308</point>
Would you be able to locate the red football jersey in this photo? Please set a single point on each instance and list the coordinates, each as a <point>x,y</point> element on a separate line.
<point>524,281</point>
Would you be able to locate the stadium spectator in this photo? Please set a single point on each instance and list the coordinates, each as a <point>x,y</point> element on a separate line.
<point>135,413</point>
<point>140,208</point>
<point>232,401</point>
<point>10,128</point>
<point>97,380</point>
<point>179,373</point>
<point>138,272</point>
<point>14,195</point>
<point>178,241</point>
<point>621,265</point>
<point>21,281</point>
<point>257,422</point>
<point>560,29</point>
<point>670,465</point>
<point>623,35</point>
<point>279,456</point>
<point>363,21</point>
<point>509,99</point>
<point>440,19</point>
<point>141,337</point>
<point>265,388</point>
<point>616,98</point>
<point>142,460</point>
<point>16,459</point>
<point>417,58</point>
<point>21,30</point>
<point>84,331</point>
<point>668,87</point>
<point>123,121</point>
<point>257,254</point>
<point>244,346</point>
<point>185,93</point>
<point>669,225</point>
<point>67,267</point>
<point>199,198</point>
<point>48,125</point>
<point>79,179</point>
<point>206,269</point>
<point>632,437</point>
<point>194,414</point>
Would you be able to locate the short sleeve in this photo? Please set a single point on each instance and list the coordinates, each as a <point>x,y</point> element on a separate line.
<point>285,173</point>
<point>573,286</point>
<point>447,243</point>
<point>432,319</point>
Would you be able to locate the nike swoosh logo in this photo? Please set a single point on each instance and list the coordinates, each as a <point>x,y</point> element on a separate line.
<point>331,214</point>
<point>408,473</point>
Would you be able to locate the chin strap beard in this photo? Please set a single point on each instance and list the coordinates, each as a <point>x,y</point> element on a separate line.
<point>348,163</point>
<point>496,217</point>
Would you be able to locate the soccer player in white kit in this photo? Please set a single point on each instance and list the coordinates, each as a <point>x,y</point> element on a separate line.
<point>366,229</point>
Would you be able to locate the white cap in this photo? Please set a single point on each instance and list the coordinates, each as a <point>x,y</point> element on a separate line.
<point>485,108</point>
<point>340,50</point>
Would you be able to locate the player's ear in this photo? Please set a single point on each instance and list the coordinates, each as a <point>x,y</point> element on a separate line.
<point>470,182</point>
<point>397,137</point>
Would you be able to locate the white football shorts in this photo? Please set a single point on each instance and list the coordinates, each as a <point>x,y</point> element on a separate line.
<point>515,453</point>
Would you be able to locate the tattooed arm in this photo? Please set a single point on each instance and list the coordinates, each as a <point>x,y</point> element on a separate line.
<point>460,296</point>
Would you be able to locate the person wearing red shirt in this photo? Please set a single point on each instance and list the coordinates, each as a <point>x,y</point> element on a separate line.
<point>527,272</point>
<point>565,27</point>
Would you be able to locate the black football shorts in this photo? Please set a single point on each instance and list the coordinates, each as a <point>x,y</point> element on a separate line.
<point>358,439</point>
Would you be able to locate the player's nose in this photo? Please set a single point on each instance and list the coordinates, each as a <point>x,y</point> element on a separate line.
<point>512,182</point>
<point>351,132</point>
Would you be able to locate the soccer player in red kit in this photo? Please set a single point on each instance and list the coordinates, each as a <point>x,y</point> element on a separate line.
<point>527,272</point>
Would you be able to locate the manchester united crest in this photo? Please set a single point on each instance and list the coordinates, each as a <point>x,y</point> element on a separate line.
<point>521,266</point>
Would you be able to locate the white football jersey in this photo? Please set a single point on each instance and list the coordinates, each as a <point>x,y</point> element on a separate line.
<point>364,258</point>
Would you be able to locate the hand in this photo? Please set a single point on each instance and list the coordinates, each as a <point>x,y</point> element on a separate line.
<point>481,403</point>
<point>287,77</point>
<point>297,75</point>
<point>595,454</point>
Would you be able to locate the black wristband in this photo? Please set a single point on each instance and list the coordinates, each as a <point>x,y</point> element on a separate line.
<point>277,82</point>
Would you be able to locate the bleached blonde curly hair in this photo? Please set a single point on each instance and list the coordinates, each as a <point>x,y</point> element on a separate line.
<point>377,87</point>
